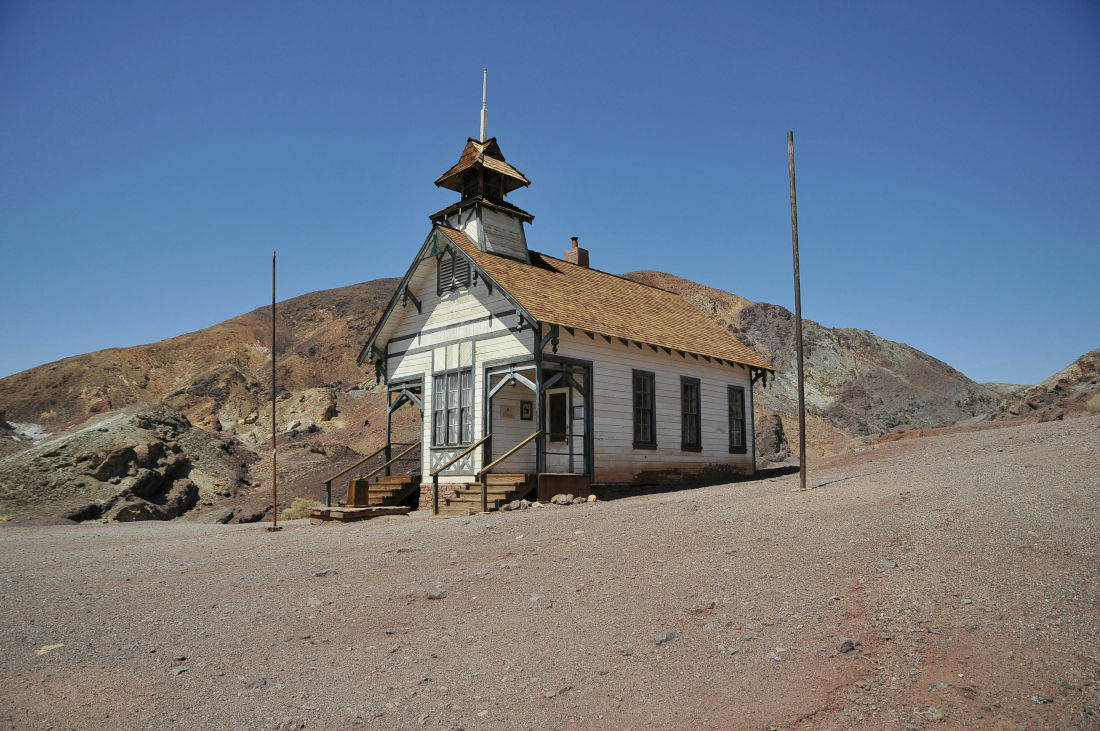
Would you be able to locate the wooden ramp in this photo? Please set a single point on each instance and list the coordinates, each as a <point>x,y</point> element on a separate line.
<point>349,514</point>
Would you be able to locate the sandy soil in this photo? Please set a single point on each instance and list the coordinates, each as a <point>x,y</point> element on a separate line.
<point>554,617</point>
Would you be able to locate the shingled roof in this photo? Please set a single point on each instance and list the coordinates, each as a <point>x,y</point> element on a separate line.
<point>556,292</point>
<point>487,154</point>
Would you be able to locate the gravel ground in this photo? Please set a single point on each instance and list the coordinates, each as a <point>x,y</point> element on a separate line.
<point>963,567</point>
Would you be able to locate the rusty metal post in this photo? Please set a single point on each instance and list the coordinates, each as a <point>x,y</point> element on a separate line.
<point>274,425</point>
<point>435,494</point>
<point>798,322</point>
<point>328,494</point>
<point>484,492</point>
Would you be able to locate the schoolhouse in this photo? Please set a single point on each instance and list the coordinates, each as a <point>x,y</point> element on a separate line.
<point>537,374</point>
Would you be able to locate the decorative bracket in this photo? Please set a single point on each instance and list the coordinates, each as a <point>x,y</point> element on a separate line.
<point>406,295</point>
<point>759,374</point>
<point>551,338</point>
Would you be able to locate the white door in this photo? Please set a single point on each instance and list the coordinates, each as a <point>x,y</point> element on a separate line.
<point>564,409</point>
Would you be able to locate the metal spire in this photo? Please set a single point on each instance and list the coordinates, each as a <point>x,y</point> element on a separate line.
<point>484,109</point>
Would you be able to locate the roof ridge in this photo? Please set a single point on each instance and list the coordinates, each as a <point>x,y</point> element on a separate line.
<point>601,271</point>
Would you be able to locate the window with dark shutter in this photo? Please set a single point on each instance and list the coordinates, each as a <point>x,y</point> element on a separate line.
<point>645,415</point>
<point>690,431</point>
<point>737,418</point>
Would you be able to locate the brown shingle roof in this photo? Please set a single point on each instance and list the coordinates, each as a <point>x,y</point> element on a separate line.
<point>488,154</point>
<point>497,205</point>
<point>557,292</point>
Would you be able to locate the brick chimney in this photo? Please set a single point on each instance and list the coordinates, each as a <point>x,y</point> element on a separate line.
<point>576,255</point>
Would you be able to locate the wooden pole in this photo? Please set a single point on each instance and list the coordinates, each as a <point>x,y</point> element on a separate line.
<point>798,322</point>
<point>274,426</point>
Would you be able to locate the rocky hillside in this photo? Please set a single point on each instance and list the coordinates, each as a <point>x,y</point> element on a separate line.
<point>1072,391</point>
<point>857,383</point>
<point>330,411</point>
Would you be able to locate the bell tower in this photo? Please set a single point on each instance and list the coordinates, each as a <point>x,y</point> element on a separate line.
<point>482,177</point>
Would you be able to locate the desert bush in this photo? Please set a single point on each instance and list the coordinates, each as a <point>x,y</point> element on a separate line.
<point>299,509</point>
<point>1093,404</point>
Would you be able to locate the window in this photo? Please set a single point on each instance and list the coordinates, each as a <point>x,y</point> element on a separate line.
<point>452,271</point>
<point>690,432</point>
<point>737,418</point>
<point>558,416</point>
<point>645,415</point>
<point>452,408</point>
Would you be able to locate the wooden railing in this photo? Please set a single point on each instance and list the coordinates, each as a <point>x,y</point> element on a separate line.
<point>376,470</point>
<point>436,471</point>
<point>483,475</point>
<point>328,482</point>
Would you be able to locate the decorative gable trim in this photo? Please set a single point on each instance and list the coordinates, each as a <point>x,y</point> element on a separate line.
<point>399,293</point>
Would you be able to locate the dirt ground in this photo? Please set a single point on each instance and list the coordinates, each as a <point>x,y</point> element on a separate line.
<point>965,568</point>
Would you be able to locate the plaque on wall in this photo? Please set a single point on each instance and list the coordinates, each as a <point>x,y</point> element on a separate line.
<point>527,410</point>
<point>507,412</point>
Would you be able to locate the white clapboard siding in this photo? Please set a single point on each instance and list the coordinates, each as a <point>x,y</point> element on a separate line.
<point>616,459</point>
<point>507,433</point>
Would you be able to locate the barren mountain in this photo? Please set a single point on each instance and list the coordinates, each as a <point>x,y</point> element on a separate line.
<point>1072,391</point>
<point>857,383</point>
<point>330,410</point>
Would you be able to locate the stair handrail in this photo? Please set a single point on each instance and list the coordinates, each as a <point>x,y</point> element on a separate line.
<point>488,468</point>
<point>376,470</point>
<point>483,475</point>
<point>436,471</point>
<point>328,483</point>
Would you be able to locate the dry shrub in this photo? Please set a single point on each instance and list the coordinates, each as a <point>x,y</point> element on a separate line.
<point>299,509</point>
<point>1093,404</point>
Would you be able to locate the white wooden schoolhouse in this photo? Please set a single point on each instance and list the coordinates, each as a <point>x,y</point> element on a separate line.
<point>537,374</point>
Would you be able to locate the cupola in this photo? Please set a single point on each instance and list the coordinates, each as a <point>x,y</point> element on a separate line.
<point>482,177</point>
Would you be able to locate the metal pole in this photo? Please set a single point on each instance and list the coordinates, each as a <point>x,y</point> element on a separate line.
<point>274,427</point>
<point>798,323</point>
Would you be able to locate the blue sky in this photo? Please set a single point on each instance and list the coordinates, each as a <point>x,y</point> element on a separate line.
<point>152,154</point>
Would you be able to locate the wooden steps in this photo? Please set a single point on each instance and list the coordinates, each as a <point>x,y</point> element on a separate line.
<point>384,490</point>
<point>500,489</point>
<point>347,515</point>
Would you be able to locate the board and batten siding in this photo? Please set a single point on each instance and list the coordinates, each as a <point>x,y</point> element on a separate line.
<point>616,459</point>
<point>467,327</point>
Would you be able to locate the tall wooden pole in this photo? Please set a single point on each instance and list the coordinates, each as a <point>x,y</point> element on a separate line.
<point>274,425</point>
<point>798,323</point>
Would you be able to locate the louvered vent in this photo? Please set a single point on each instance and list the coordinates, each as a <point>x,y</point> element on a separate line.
<point>453,272</point>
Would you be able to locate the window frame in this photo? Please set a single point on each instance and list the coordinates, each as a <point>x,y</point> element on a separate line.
<point>449,413</point>
<point>741,448</point>
<point>697,444</point>
<point>650,407</point>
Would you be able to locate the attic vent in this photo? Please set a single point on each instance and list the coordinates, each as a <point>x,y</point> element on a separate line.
<point>453,272</point>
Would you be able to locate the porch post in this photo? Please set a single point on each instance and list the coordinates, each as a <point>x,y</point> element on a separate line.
<point>540,440</point>
<point>389,426</point>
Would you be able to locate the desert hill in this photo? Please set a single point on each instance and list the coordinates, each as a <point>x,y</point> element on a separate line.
<point>1072,391</point>
<point>217,379</point>
<point>857,383</point>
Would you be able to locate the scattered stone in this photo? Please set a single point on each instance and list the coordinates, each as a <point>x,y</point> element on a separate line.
<point>549,694</point>
<point>436,593</point>
<point>732,650</point>
<point>939,686</point>
<point>968,601</point>
<point>774,656</point>
<point>324,572</point>
<point>542,600</point>
<point>885,565</point>
<point>593,499</point>
<point>845,644</point>
<point>1041,699</point>
<point>257,683</point>
<point>666,637</point>
<point>834,598</point>
<point>578,500</point>
<point>180,670</point>
<point>509,565</point>
<point>931,713</point>
<point>709,626</point>
<point>483,713</point>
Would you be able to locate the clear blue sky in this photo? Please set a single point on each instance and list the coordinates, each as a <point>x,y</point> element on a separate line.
<point>152,154</point>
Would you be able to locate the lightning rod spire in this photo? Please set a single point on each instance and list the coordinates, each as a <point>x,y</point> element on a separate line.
<point>484,109</point>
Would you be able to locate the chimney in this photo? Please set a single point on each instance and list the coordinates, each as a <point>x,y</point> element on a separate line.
<point>576,255</point>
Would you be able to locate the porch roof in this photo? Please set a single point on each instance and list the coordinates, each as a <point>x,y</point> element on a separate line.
<point>559,293</point>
